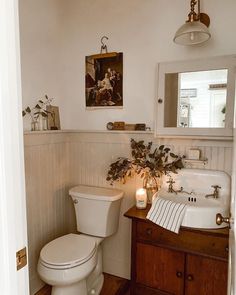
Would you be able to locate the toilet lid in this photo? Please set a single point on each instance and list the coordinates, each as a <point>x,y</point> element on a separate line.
<point>68,251</point>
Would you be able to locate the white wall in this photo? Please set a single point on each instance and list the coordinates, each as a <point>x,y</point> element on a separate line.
<point>143,31</point>
<point>56,35</point>
<point>40,38</point>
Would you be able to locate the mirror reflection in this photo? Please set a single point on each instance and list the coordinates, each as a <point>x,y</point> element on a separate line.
<point>196,99</point>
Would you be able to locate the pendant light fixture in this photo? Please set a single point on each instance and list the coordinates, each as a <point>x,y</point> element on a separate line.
<point>195,30</point>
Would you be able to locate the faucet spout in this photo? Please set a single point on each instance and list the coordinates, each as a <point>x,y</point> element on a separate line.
<point>185,192</point>
<point>210,196</point>
<point>215,194</point>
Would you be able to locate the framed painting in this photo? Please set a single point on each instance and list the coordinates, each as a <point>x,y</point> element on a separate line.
<point>104,80</point>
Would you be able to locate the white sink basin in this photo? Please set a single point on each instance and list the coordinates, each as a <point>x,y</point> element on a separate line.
<point>201,211</point>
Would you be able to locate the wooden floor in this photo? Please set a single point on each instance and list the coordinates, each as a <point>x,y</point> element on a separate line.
<point>115,286</point>
<point>112,286</point>
<point>46,290</point>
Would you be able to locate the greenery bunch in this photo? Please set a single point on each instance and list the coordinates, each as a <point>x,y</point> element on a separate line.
<point>38,109</point>
<point>144,162</point>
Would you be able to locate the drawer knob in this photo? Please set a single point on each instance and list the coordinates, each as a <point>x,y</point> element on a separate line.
<point>190,278</point>
<point>179,274</point>
<point>149,231</point>
<point>227,248</point>
<point>160,100</point>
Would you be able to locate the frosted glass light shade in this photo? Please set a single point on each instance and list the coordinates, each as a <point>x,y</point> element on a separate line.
<point>192,33</point>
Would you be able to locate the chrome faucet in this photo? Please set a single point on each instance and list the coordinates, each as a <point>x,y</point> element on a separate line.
<point>215,194</point>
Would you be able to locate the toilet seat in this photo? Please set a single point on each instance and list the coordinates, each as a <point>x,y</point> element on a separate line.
<point>68,251</point>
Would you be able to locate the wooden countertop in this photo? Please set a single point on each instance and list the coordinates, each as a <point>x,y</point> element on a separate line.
<point>140,214</point>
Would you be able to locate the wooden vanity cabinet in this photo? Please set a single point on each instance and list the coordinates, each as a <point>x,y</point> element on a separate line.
<point>194,262</point>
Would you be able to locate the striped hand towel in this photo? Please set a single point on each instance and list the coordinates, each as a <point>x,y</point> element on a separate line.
<point>167,214</point>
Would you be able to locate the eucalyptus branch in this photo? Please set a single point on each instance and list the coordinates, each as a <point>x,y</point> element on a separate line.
<point>144,162</point>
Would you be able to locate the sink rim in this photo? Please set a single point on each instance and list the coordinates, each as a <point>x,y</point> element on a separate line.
<point>198,216</point>
<point>200,202</point>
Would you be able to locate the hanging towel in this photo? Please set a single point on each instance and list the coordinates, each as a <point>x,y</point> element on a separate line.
<point>167,214</point>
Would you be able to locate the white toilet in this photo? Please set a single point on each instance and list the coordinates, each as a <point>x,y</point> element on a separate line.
<point>72,264</point>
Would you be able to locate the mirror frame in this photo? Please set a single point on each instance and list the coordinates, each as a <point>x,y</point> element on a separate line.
<point>204,64</point>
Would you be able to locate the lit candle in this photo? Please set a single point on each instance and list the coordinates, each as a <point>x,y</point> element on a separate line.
<point>141,198</point>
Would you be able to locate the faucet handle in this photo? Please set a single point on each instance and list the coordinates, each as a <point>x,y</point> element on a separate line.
<point>170,181</point>
<point>216,187</point>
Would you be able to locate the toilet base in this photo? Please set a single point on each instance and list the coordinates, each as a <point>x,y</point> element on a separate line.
<point>79,288</point>
<point>96,278</point>
<point>97,286</point>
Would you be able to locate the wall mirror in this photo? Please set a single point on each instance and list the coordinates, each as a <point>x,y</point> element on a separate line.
<point>196,98</point>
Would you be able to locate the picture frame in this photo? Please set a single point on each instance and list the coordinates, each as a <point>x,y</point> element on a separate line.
<point>53,119</point>
<point>104,80</point>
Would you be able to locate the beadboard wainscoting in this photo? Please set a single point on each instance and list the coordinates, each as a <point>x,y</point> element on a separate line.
<point>56,161</point>
<point>48,209</point>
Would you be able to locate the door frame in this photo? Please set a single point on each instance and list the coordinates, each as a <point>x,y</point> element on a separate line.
<point>13,226</point>
<point>232,231</point>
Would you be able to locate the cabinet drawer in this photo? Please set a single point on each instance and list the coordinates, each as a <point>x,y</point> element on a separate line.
<point>189,241</point>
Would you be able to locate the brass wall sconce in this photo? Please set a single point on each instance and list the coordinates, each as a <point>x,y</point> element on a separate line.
<point>195,30</point>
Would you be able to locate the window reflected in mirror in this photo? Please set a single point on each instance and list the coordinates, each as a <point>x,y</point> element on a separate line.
<point>196,99</point>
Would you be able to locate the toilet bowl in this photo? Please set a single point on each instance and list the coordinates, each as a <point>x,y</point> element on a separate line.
<point>66,262</point>
<point>72,264</point>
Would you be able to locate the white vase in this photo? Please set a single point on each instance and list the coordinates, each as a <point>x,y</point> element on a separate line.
<point>34,125</point>
<point>42,122</point>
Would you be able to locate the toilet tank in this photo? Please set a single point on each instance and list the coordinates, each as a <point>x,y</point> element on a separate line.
<point>97,209</point>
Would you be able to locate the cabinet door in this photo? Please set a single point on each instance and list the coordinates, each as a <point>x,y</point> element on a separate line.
<point>160,268</point>
<point>205,276</point>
